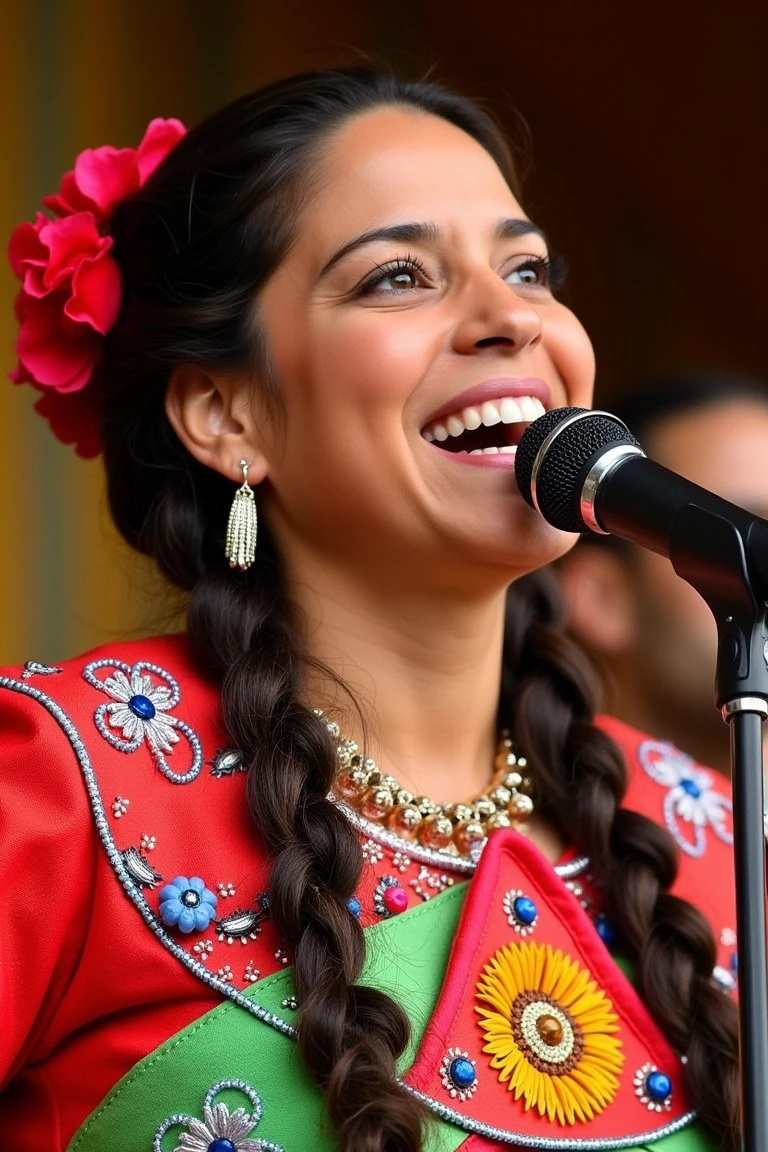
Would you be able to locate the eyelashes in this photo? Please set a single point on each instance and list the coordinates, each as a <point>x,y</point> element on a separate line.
<point>405,273</point>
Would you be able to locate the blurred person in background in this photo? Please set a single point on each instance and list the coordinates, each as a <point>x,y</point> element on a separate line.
<point>652,634</point>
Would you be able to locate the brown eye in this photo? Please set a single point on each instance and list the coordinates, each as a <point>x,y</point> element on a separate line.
<point>397,276</point>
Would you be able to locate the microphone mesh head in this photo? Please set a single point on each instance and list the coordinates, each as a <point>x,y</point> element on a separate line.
<point>566,462</point>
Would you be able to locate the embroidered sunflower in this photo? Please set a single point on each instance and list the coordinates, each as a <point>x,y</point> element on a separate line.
<point>550,1032</point>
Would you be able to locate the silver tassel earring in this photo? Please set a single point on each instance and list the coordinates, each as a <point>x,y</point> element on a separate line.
<point>243,525</point>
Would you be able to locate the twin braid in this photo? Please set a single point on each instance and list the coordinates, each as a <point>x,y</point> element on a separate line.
<point>581,778</point>
<point>349,1035</point>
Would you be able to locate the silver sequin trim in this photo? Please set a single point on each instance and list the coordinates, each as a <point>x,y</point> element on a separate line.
<point>130,888</point>
<point>568,1144</point>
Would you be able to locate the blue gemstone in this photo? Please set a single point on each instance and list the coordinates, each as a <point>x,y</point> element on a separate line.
<point>691,787</point>
<point>142,707</point>
<point>354,906</point>
<point>734,962</point>
<point>605,930</point>
<point>222,1146</point>
<point>524,909</point>
<point>658,1086</point>
<point>462,1072</point>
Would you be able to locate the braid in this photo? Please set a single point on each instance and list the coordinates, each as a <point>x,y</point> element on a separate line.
<point>549,698</point>
<point>349,1035</point>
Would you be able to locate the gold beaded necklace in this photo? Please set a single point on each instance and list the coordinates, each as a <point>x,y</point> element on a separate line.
<point>449,828</point>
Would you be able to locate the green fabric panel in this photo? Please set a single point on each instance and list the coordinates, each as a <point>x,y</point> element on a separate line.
<point>408,957</point>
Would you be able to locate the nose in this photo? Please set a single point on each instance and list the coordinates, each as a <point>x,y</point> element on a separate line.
<point>494,316</point>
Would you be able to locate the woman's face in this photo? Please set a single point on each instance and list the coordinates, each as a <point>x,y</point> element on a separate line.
<point>414,305</point>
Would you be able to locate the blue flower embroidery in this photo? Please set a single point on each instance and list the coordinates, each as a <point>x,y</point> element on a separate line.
<point>187,903</point>
<point>143,697</point>
<point>690,800</point>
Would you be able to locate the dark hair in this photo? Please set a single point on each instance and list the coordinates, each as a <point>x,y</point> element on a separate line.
<point>195,245</point>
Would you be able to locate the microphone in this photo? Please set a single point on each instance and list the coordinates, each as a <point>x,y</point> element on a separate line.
<point>583,470</point>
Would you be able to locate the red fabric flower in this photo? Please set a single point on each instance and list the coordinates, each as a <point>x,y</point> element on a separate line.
<point>71,286</point>
<point>104,176</point>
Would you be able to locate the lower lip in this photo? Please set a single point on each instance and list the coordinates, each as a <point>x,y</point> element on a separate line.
<point>503,460</point>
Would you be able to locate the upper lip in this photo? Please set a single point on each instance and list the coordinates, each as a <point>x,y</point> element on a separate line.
<point>495,389</point>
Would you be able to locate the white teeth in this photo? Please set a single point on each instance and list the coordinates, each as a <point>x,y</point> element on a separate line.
<point>511,411</point>
<point>531,408</point>
<point>507,410</point>
<point>488,451</point>
<point>508,449</point>
<point>489,414</point>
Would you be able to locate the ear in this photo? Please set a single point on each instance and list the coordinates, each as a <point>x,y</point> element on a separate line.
<point>597,590</point>
<point>213,414</point>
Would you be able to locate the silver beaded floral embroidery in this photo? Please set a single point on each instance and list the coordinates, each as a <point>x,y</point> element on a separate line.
<point>219,1126</point>
<point>691,804</point>
<point>142,698</point>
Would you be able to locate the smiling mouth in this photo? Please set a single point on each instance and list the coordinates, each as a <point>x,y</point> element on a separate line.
<point>495,426</point>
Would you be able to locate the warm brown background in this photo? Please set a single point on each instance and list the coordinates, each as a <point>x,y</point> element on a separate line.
<point>648,129</point>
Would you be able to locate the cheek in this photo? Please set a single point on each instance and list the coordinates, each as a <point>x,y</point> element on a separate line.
<point>572,353</point>
<point>369,356</point>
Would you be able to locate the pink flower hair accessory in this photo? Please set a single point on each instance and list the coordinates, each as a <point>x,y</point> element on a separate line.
<point>71,287</point>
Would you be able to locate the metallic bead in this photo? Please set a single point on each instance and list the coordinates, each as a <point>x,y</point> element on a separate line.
<point>403,796</point>
<point>377,804</point>
<point>460,813</point>
<point>512,780</point>
<point>405,820</point>
<point>352,785</point>
<point>345,752</point>
<point>390,784</point>
<point>426,806</point>
<point>483,808</point>
<point>498,820</point>
<point>501,796</point>
<point>436,832</point>
<point>468,833</point>
<point>520,807</point>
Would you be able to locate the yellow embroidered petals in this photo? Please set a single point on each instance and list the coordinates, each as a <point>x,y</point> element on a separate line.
<point>550,1032</point>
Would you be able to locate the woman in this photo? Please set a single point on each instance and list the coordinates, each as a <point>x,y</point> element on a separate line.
<point>329,295</point>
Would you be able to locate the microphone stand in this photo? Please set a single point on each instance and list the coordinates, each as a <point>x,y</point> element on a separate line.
<point>712,555</point>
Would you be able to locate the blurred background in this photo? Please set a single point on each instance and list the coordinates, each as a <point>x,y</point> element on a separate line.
<point>644,129</point>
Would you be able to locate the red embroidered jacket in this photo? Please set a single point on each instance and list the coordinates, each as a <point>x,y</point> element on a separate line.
<point>116,781</point>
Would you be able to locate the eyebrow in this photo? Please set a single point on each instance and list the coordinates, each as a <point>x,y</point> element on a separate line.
<point>414,233</point>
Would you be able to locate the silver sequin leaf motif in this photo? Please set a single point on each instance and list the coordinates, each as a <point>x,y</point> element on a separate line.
<point>139,869</point>
<point>243,924</point>
<point>227,762</point>
<point>35,668</point>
